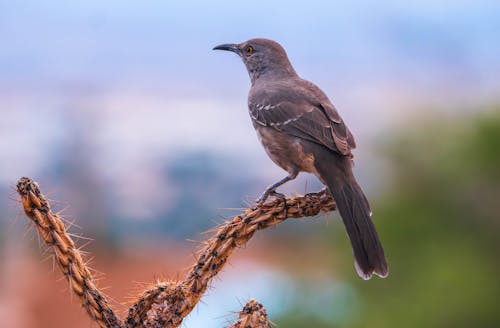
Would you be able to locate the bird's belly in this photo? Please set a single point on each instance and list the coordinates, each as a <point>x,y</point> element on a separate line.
<point>285,150</point>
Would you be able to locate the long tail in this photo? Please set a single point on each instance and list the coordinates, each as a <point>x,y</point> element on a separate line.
<point>336,172</point>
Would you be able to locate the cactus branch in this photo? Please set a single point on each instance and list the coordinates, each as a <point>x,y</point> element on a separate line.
<point>253,315</point>
<point>166,304</point>
<point>68,257</point>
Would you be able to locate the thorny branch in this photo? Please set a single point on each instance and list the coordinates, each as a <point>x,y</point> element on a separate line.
<point>253,315</point>
<point>167,303</point>
<point>68,257</point>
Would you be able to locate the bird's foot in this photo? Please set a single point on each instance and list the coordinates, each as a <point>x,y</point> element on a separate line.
<point>282,197</point>
<point>275,194</point>
<point>264,196</point>
<point>317,194</point>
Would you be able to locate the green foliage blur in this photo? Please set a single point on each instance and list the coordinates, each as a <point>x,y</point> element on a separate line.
<point>440,225</point>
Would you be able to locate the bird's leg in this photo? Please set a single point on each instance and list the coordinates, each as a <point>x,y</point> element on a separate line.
<point>271,190</point>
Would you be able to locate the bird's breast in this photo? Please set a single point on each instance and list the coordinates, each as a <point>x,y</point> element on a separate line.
<point>285,150</point>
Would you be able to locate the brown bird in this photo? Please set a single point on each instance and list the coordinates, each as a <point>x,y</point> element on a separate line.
<point>302,131</point>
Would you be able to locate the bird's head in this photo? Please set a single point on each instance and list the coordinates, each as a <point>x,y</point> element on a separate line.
<point>263,58</point>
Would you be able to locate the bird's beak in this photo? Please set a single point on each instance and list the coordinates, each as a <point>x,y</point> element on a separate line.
<point>228,47</point>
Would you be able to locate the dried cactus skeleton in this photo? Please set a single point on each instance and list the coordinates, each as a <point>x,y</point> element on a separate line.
<point>68,257</point>
<point>253,315</point>
<point>167,303</point>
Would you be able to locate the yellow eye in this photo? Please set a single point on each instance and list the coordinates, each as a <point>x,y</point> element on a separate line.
<point>249,50</point>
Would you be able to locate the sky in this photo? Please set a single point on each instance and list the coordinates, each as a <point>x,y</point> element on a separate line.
<point>133,85</point>
<point>140,83</point>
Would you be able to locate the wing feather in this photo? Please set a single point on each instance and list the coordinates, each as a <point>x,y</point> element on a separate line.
<point>302,112</point>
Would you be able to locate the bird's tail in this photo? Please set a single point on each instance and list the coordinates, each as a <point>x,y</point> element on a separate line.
<point>336,173</point>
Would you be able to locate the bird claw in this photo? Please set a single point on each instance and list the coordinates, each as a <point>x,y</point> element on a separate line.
<point>283,198</point>
<point>275,194</point>
<point>267,194</point>
<point>319,193</point>
<point>263,198</point>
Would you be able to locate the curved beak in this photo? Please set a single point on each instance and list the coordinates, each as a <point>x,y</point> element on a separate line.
<point>228,47</point>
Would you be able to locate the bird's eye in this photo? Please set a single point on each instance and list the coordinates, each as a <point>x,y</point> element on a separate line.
<point>249,50</point>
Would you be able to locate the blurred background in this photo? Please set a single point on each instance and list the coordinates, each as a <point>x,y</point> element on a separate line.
<point>139,132</point>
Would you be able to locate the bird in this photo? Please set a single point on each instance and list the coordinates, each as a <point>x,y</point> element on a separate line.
<point>302,131</point>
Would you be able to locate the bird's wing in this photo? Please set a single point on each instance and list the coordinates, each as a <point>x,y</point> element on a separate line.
<point>299,113</point>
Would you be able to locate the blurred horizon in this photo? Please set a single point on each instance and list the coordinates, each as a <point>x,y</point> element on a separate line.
<point>140,132</point>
